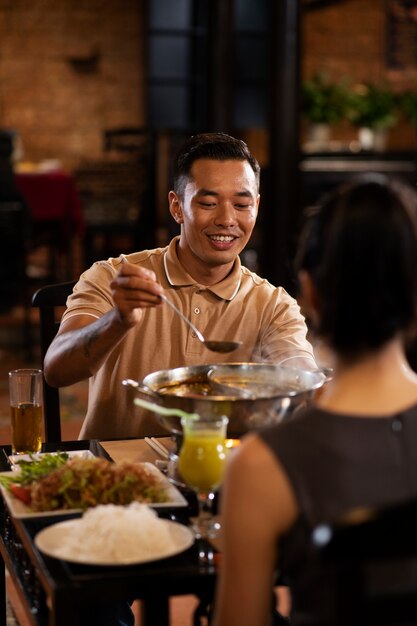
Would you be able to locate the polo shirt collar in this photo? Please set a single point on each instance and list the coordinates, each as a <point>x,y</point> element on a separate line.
<point>178,277</point>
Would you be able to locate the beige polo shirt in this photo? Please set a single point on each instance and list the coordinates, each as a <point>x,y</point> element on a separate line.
<point>244,307</point>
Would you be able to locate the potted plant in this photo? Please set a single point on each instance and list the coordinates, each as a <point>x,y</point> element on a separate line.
<point>323,103</point>
<point>407,102</point>
<point>373,111</point>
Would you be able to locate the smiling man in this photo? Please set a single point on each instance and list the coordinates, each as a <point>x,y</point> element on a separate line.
<point>216,204</point>
<point>116,326</point>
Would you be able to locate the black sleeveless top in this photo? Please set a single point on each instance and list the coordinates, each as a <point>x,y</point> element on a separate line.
<point>337,462</point>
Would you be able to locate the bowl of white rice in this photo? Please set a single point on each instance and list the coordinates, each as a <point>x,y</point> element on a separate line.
<point>115,535</point>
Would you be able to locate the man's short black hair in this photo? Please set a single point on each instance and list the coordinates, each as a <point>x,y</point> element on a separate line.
<point>218,146</point>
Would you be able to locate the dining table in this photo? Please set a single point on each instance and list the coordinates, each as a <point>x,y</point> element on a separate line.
<point>54,591</point>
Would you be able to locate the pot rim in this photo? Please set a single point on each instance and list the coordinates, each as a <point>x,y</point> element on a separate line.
<point>160,378</point>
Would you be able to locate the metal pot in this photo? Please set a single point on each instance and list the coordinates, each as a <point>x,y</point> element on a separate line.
<point>261,393</point>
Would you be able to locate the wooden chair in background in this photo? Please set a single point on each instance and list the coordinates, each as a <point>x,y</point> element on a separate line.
<point>118,194</point>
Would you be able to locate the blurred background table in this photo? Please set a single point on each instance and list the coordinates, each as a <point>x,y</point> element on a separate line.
<point>52,196</point>
<point>56,216</point>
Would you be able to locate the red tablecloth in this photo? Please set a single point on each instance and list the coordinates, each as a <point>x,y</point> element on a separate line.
<point>53,196</point>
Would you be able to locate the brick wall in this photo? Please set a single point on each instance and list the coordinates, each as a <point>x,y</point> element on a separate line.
<point>71,68</point>
<point>346,39</point>
<point>349,40</point>
<point>68,70</point>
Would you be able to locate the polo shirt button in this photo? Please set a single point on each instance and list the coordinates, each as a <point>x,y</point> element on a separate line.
<point>193,335</point>
<point>196,310</point>
<point>396,425</point>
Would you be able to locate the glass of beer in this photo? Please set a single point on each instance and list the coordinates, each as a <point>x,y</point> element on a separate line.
<point>25,390</point>
<point>202,461</point>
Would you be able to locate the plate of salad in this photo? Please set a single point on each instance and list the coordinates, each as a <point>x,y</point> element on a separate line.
<point>18,461</point>
<point>62,483</point>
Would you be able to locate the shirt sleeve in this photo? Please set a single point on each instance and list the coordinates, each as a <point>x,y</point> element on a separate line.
<point>284,333</point>
<point>92,294</point>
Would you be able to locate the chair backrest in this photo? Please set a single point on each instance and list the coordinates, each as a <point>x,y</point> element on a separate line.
<point>372,557</point>
<point>48,300</point>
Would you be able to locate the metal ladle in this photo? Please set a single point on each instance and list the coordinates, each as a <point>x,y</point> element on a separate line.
<point>214,346</point>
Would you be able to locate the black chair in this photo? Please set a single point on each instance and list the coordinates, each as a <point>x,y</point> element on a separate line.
<point>49,300</point>
<point>372,557</point>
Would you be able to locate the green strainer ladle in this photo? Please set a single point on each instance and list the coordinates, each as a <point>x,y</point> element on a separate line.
<point>162,410</point>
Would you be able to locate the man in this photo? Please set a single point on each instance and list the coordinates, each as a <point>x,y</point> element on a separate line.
<point>116,325</point>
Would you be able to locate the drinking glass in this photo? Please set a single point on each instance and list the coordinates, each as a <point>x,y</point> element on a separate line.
<point>202,460</point>
<point>25,390</point>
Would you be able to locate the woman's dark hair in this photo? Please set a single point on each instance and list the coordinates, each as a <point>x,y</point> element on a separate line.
<point>360,249</point>
<point>218,146</point>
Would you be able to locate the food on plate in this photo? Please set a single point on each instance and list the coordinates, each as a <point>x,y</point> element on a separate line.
<point>117,534</point>
<point>83,483</point>
<point>36,467</point>
<point>28,471</point>
<point>80,483</point>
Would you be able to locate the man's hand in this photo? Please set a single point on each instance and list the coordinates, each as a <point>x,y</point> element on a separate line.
<point>83,344</point>
<point>134,288</point>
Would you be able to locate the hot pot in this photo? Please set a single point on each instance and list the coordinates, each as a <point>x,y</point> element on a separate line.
<point>251,395</point>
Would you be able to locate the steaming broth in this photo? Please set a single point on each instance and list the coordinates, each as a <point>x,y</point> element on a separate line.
<point>188,389</point>
<point>228,386</point>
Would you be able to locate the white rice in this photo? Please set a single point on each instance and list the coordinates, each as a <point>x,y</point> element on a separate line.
<point>117,534</point>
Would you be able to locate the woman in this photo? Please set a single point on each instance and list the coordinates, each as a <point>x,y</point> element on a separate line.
<point>356,445</point>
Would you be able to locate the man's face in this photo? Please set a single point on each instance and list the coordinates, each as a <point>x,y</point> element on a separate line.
<point>217,214</point>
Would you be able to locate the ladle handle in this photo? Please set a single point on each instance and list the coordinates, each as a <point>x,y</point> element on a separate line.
<point>172,305</point>
<point>181,314</point>
<point>139,388</point>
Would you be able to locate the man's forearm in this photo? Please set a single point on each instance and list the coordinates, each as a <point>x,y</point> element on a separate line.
<point>78,353</point>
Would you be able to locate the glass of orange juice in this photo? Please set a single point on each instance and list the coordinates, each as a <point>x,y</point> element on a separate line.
<point>201,463</point>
